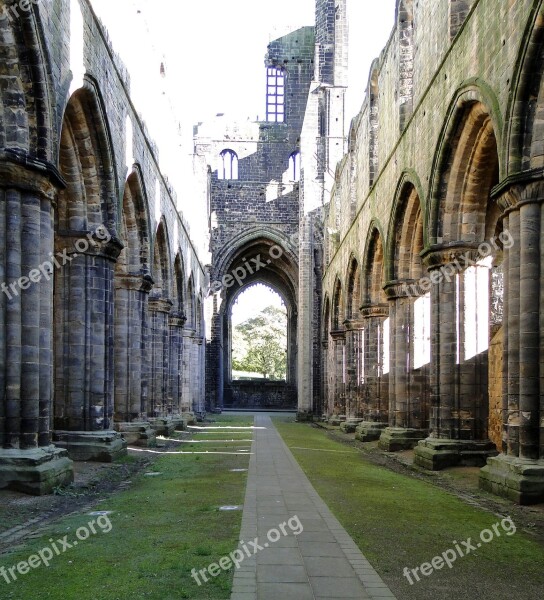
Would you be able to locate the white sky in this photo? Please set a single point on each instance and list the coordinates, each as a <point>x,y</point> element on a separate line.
<point>254,300</point>
<point>214,56</point>
<point>215,49</point>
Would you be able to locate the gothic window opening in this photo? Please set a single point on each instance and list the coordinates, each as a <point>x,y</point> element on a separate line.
<point>228,169</point>
<point>275,95</point>
<point>294,167</point>
<point>476,281</point>
<point>385,343</point>
<point>422,331</point>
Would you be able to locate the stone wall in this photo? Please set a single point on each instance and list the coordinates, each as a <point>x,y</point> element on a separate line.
<point>445,147</point>
<point>75,188</point>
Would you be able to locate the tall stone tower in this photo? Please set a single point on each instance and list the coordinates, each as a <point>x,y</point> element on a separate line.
<point>254,189</point>
<point>323,144</point>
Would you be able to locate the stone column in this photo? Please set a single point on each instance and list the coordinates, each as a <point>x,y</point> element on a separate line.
<point>354,330</point>
<point>375,405</point>
<point>28,461</point>
<point>518,473</point>
<point>132,359</point>
<point>338,397</point>
<point>160,390</point>
<point>188,391</point>
<point>177,323</point>
<point>408,413</point>
<point>325,379</point>
<point>84,331</point>
<point>458,421</point>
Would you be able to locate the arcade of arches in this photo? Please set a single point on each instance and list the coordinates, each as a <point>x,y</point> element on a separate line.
<point>407,248</point>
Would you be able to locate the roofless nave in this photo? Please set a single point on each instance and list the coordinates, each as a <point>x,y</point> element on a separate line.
<point>407,248</point>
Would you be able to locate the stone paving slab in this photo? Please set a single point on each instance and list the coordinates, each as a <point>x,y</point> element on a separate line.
<point>322,562</point>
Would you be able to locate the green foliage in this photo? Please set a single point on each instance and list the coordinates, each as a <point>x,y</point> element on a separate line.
<point>259,345</point>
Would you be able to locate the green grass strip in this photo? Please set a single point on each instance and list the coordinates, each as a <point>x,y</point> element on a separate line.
<point>162,527</point>
<point>399,521</point>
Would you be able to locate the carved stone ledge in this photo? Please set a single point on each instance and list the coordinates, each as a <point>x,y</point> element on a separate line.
<point>162,305</point>
<point>452,253</point>
<point>377,311</point>
<point>405,288</point>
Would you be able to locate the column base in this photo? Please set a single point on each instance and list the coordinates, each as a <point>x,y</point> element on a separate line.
<point>394,439</point>
<point>435,455</point>
<point>189,418</point>
<point>305,417</point>
<point>137,434</point>
<point>93,446</point>
<point>37,471</point>
<point>179,422</point>
<point>369,431</point>
<point>162,426</point>
<point>350,426</point>
<point>519,480</point>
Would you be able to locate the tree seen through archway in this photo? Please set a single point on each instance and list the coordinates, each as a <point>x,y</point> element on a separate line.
<point>259,336</point>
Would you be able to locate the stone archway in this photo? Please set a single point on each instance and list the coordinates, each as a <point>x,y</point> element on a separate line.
<point>261,259</point>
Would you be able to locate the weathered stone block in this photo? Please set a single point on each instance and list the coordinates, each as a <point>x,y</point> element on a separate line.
<point>38,471</point>
<point>435,455</point>
<point>394,439</point>
<point>95,446</point>
<point>521,481</point>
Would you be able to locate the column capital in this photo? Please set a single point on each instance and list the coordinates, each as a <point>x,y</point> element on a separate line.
<point>377,311</point>
<point>353,325</point>
<point>177,319</point>
<point>403,288</point>
<point>87,243</point>
<point>159,304</point>
<point>141,282</point>
<point>24,172</point>
<point>338,335</point>
<point>451,253</point>
<point>519,193</point>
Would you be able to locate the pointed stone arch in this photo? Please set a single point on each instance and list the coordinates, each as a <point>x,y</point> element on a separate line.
<point>133,283</point>
<point>463,216</point>
<point>374,404</point>
<point>409,313</point>
<point>525,112</point>
<point>466,162</point>
<point>27,122</point>
<point>85,227</point>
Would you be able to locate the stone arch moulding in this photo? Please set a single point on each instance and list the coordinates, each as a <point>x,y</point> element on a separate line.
<point>137,176</point>
<point>30,75</point>
<point>354,287</point>
<point>140,200</point>
<point>472,92</point>
<point>408,179</point>
<point>522,110</point>
<point>253,236</point>
<point>374,227</point>
<point>162,250</point>
<point>91,95</point>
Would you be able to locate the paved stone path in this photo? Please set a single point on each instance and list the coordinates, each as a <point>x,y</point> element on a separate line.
<point>322,562</point>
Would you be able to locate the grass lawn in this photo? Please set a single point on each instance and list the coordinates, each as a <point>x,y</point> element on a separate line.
<point>162,527</point>
<point>398,521</point>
